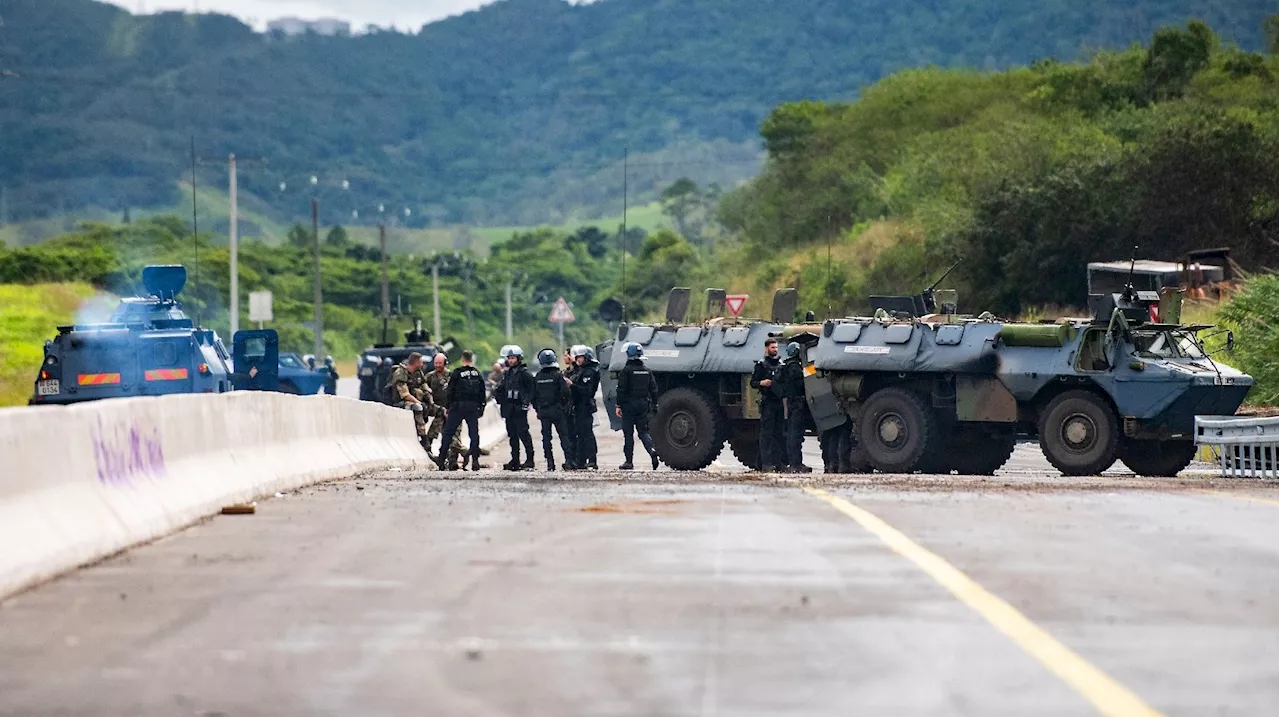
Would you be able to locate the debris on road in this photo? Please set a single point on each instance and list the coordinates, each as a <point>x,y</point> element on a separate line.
<point>240,509</point>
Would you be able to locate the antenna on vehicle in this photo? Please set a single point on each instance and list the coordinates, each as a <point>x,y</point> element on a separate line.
<point>625,155</point>
<point>195,229</point>
<point>1128,284</point>
<point>826,291</point>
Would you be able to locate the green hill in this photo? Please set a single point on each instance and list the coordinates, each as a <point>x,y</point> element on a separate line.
<point>515,114</point>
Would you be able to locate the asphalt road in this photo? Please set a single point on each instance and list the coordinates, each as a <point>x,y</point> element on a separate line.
<point>718,593</point>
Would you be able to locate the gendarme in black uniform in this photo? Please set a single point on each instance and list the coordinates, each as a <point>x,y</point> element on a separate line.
<point>466,398</point>
<point>585,384</point>
<point>771,411</point>
<point>514,398</point>
<point>637,396</point>
<point>798,420</point>
<point>550,400</point>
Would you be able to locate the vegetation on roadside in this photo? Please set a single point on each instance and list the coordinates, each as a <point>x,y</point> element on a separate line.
<point>29,314</point>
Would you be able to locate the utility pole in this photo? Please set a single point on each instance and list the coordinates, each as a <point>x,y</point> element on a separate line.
<point>233,242</point>
<point>435,296</point>
<point>386,287</point>
<point>508,293</point>
<point>319,294</point>
<point>626,152</point>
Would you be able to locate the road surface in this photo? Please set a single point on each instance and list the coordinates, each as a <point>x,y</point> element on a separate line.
<point>716,593</point>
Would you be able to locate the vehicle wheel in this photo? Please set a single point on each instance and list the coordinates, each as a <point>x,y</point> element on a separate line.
<point>747,451</point>
<point>975,452</point>
<point>897,430</point>
<point>1079,433</point>
<point>1162,459</point>
<point>687,430</point>
<point>287,387</point>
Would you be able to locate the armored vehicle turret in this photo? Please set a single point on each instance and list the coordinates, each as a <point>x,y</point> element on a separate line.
<point>936,391</point>
<point>148,346</point>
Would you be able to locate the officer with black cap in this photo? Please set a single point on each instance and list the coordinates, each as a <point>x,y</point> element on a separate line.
<point>550,396</point>
<point>637,398</point>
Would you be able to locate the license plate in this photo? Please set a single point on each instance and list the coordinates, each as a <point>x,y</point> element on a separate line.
<point>50,387</point>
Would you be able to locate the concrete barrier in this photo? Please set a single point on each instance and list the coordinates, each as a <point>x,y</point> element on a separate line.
<point>81,482</point>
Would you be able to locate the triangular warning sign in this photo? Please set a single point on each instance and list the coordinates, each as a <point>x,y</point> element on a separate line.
<point>561,313</point>
<point>734,303</point>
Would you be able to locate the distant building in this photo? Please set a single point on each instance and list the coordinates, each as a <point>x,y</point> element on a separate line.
<point>298,26</point>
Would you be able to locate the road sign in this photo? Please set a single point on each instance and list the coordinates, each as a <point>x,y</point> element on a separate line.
<point>734,303</point>
<point>561,313</point>
<point>260,306</point>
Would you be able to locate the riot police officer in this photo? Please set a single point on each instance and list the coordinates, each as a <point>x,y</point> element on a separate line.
<point>404,389</point>
<point>550,395</point>
<point>465,398</point>
<point>570,420</point>
<point>516,394</point>
<point>437,381</point>
<point>798,418</point>
<point>586,381</point>
<point>764,378</point>
<point>637,397</point>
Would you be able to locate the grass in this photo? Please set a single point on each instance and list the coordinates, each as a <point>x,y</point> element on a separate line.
<point>28,316</point>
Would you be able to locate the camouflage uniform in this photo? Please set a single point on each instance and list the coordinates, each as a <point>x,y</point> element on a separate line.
<point>437,383</point>
<point>404,385</point>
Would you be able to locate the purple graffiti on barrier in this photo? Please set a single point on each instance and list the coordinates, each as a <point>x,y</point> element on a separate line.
<point>123,454</point>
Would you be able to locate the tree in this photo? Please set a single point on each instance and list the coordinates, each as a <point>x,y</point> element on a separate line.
<point>299,236</point>
<point>1175,57</point>
<point>337,238</point>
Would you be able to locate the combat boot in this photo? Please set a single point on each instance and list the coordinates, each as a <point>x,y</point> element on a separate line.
<point>654,457</point>
<point>475,463</point>
<point>626,466</point>
<point>528,464</point>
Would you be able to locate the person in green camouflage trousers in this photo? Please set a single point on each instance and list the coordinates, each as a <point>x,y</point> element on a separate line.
<point>437,381</point>
<point>408,391</point>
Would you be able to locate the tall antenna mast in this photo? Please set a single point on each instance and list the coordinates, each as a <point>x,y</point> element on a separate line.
<point>826,290</point>
<point>625,155</point>
<point>195,228</point>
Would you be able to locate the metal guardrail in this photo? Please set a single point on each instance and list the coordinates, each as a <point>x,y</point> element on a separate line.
<point>1243,447</point>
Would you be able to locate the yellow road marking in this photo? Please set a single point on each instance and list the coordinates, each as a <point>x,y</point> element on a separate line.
<point>1107,695</point>
<point>1238,496</point>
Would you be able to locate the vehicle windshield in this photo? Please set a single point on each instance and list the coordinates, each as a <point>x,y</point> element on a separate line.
<point>1166,344</point>
<point>290,361</point>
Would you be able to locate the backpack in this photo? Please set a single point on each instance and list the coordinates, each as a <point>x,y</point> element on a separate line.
<point>386,379</point>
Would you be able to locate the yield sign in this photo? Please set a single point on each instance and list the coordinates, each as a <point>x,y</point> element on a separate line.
<point>561,313</point>
<point>735,302</point>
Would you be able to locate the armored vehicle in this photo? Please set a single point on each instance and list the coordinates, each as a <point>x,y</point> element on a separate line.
<point>147,347</point>
<point>376,362</point>
<point>934,391</point>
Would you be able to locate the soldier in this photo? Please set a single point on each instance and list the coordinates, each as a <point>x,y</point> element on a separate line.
<point>465,399</point>
<point>586,381</point>
<point>550,394</point>
<point>798,418</point>
<point>637,397</point>
<point>516,391</point>
<point>771,411</point>
<point>495,375</point>
<point>401,387</point>
<point>437,381</point>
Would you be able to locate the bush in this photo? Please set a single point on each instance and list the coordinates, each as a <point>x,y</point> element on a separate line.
<point>1254,315</point>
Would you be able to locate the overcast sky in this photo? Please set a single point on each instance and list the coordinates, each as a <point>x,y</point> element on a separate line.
<point>406,15</point>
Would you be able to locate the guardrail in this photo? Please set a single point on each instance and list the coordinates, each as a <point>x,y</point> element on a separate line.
<point>1242,447</point>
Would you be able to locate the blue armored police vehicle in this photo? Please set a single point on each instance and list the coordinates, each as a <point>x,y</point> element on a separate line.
<point>923,388</point>
<point>150,347</point>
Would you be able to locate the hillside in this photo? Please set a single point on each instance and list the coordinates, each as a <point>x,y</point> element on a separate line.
<point>518,113</point>
<point>28,315</point>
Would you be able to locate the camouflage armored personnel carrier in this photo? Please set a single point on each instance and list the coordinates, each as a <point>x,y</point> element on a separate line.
<point>933,391</point>
<point>148,347</point>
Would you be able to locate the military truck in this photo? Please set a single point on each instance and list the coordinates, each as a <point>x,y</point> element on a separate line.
<point>147,347</point>
<point>930,390</point>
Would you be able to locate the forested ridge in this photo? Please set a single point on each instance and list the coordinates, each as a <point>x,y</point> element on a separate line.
<point>517,113</point>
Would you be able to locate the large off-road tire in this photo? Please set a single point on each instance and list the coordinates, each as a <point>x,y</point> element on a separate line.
<point>898,430</point>
<point>1079,433</point>
<point>747,451</point>
<point>971,451</point>
<point>687,430</point>
<point>1162,459</point>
